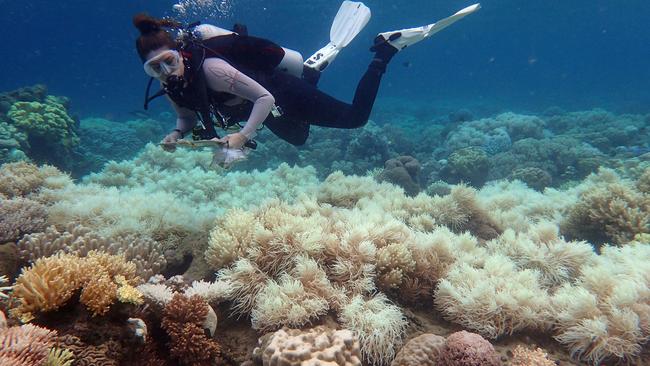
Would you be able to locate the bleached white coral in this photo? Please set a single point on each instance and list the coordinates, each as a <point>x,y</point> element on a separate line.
<point>606,314</point>
<point>159,294</point>
<point>379,325</point>
<point>494,300</point>
<point>3,289</point>
<point>557,260</point>
<point>211,292</point>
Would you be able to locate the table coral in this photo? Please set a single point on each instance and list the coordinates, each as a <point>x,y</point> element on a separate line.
<point>320,346</point>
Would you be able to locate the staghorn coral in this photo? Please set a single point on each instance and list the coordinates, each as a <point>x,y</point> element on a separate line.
<point>495,298</point>
<point>378,324</point>
<point>51,281</point>
<point>20,216</point>
<point>422,350</point>
<point>182,320</point>
<point>315,346</point>
<point>467,349</point>
<point>609,210</point>
<point>25,345</point>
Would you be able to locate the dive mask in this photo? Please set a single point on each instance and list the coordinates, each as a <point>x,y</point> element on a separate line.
<point>163,64</point>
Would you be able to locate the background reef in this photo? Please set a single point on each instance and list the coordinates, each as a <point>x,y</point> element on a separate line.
<point>508,238</point>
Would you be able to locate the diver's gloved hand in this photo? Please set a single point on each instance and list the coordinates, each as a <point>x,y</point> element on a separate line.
<point>168,143</point>
<point>234,140</point>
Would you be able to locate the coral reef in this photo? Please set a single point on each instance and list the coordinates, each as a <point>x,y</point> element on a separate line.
<point>317,346</point>
<point>23,179</point>
<point>523,356</point>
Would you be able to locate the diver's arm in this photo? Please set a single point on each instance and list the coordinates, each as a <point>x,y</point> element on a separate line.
<point>222,77</point>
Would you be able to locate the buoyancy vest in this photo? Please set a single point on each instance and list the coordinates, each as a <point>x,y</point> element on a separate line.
<point>255,57</point>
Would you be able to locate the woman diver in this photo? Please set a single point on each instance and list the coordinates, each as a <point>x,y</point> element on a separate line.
<point>235,77</point>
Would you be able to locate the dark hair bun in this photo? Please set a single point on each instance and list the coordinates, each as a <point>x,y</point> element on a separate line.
<point>146,24</point>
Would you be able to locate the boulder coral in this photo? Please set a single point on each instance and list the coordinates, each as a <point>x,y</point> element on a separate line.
<point>317,346</point>
<point>422,350</point>
<point>48,120</point>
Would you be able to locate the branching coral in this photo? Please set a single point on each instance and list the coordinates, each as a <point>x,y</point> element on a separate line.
<point>182,320</point>
<point>523,356</point>
<point>25,345</point>
<point>378,324</point>
<point>51,281</point>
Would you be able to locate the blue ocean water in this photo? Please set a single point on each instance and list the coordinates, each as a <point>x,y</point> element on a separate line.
<point>511,55</point>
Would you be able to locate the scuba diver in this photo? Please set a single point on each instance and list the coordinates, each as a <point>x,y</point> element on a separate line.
<point>217,78</point>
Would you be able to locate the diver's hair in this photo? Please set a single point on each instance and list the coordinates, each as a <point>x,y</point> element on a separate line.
<point>153,34</point>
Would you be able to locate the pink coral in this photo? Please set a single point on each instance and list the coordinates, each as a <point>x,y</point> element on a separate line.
<point>468,349</point>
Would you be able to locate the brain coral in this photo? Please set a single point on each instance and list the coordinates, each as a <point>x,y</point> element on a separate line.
<point>422,350</point>
<point>468,349</point>
<point>318,346</point>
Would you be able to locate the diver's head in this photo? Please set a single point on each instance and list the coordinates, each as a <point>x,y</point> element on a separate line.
<point>157,48</point>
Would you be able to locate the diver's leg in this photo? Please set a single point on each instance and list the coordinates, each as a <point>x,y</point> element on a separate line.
<point>293,132</point>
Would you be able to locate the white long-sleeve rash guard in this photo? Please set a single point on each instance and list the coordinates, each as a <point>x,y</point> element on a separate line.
<point>222,77</point>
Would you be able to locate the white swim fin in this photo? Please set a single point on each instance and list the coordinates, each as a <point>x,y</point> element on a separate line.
<point>351,18</point>
<point>403,38</point>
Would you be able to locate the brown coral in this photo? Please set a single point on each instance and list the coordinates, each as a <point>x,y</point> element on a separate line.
<point>26,345</point>
<point>182,320</point>
<point>422,350</point>
<point>468,349</point>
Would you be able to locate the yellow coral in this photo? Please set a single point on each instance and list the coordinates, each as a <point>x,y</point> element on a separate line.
<point>59,357</point>
<point>51,281</point>
<point>46,285</point>
<point>127,293</point>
